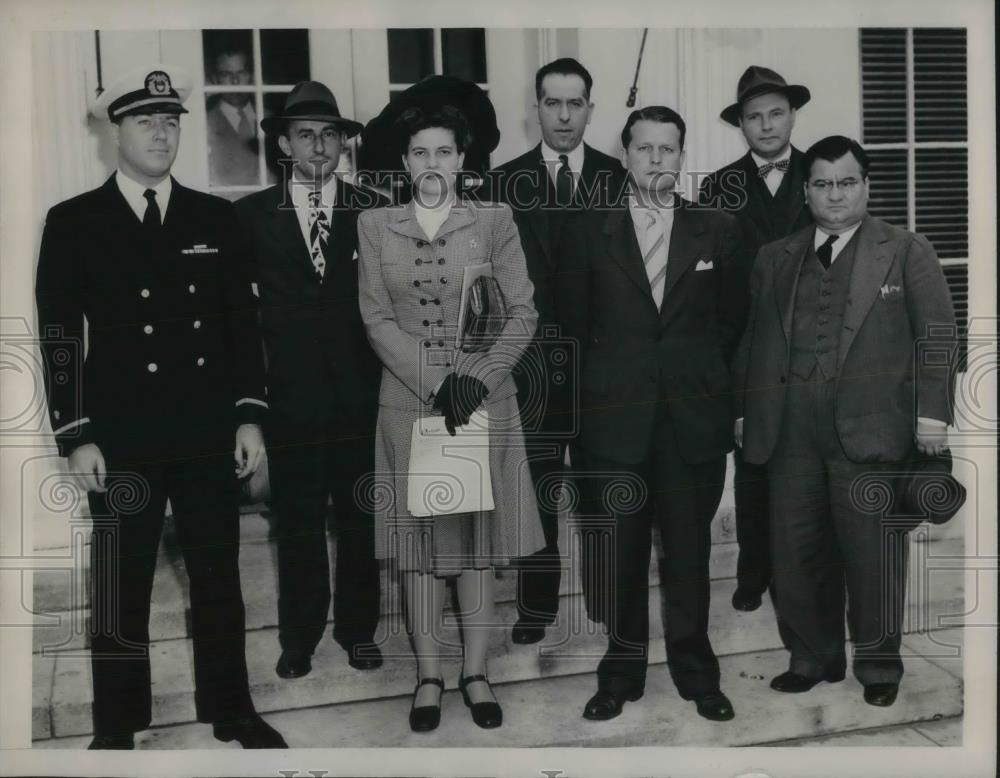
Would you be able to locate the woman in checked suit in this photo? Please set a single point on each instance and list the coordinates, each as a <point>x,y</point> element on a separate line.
<point>410,281</point>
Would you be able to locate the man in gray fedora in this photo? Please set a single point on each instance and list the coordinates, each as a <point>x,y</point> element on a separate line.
<point>323,381</point>
<point>763,188</point>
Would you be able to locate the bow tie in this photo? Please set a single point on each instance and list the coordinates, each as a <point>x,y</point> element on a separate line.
<point>767,167</point>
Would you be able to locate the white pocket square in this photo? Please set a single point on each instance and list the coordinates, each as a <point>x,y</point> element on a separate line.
<point>704,264</point>
<point>355,257</point>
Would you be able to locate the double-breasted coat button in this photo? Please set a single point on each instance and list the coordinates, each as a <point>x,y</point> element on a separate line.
<point>144,293</point>
<point>782,379</point>
<point>148,329</point>
<point>201,361</point>
<point>440,322</point>
<point>191,288</point>
<point>444,280</point>
<point>421,244</point>
<point>152,367</point>
<point>441,241</point>
<point>427,344</point>
<point>440,342</point>
<point>440,260</point>
<point>437,302</point>
<point>197,324</point>
<point>427,323</point>
<point>416,283</point>
<point>418,262</point>
<point>423,302</point>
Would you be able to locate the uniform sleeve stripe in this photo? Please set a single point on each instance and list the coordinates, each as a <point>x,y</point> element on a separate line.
<point>71,425</point>
<point>251,401</point>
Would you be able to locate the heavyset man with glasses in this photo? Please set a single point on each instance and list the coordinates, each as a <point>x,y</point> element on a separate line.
<point>832,393</point>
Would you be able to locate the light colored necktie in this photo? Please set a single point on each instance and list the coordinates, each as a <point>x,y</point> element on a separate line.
<point>654,255</point>
<point>245,130</point>
<point>319,232</point>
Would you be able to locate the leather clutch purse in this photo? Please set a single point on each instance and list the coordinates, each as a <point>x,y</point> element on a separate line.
<point>485,314</point>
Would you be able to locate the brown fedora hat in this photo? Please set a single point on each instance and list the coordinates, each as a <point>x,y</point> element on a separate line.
<point>310,101</point>
<point>757,81</point>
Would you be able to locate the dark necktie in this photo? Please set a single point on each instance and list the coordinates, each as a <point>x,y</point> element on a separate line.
<point>564,182</point>
<point>825,251</point>
<point>151,218</point>
<point>767,167</point>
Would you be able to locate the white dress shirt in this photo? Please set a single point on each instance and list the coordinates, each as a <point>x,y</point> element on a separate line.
<point>774,176</point>
<point>234,115</point>
<point>838,245</point>
<point>133,191</point>
<point>431,219</point>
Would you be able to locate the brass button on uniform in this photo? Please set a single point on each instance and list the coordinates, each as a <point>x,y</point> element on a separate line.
<point>152,367</point>
<point>144,293</point>
<point>148,329</point>
<point>201,361</point>
<point>197,324</point>
<point>191,288</point>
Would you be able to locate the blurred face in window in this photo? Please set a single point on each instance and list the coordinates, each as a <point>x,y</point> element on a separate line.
<point>314,147</point>
<point>432,160</point>
<point>147,145</point>
<point>837,193</point>
<point>767,123</point>
<point>563,111</point>
<point>233,69</point>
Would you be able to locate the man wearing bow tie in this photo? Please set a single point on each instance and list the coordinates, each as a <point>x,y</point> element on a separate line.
<point>763,188</point>
<point>323,380</point>
<point>648,290</point>
<point>844,370</point>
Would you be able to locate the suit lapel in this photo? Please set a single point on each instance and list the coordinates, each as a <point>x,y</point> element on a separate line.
<point>786,278</point>
<point>285,226</point>
<point>792,197</point>
<point>404,221</point>
<point>623,247</point>
<point>682,252</point>
<point>871,265</point>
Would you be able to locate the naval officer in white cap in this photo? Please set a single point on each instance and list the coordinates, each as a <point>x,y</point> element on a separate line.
<point>170,390</point>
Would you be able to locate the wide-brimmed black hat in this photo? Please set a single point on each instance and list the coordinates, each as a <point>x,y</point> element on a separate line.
<point>310,101</point>
<point>757,81</point>
<point>930,491</point>
<point>379,141</point>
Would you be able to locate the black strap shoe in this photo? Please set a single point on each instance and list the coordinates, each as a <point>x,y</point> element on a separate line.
<point>607,704</point>
<point>881,694</point>
<point>293,664</point>
<point>793,683</point>
<point>250,732</point>
<point>527,632</point>
<point>123,742</point>
<point>487,715</point>
<point>714,706</point>
<point>426,717</point>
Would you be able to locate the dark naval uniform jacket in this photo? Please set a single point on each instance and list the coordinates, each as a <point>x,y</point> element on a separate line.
<point>173,362</point>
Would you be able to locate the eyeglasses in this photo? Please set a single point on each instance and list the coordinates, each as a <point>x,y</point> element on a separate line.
<point>825,185</point>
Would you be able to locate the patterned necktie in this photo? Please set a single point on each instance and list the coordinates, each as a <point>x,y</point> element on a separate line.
<point>654,255</point>
<point>781,165</point>
<point>564,182</point>
<point>825,251</point>
<point>151,218</point>
<point>319,232</point>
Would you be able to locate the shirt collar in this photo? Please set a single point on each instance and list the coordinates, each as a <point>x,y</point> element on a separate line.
<point>758,160</point>
<point>551,156</point>
<point>300,192</point>
<point>234,114</point>
<point>638,211</point>
<point>844,237</point>
<point>133,191</point>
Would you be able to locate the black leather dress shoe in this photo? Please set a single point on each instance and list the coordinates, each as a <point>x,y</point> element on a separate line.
<point>364,656</point>
<point>793,683</point>
<point>607,704</point>
<point>527,632</point>
<point>744,600</point>
<point>487,715</point>
<point>881,694</point>
<point>292,664</point>
<point>426,717</point>
<point>250,732</point>
<point>715,706</point>
<point>124,742</point>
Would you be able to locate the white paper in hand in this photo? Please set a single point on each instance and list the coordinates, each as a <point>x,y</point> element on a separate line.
<point>449,474</point>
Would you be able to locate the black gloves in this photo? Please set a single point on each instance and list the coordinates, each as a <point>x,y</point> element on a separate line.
<point>457,398</point>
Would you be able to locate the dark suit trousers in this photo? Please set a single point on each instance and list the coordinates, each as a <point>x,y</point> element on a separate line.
<point>128,522</point>
<point>681,499</point>
<point>821,542</point>
<point>753,565</point>
<point>309,467</point>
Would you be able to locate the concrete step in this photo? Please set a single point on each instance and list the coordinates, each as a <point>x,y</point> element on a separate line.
<point>61,607</point>
<point>573,645</point>
<point>546,712</point>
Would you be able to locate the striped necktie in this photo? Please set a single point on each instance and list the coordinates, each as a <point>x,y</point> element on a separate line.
<point>654,255</point>
<point>319,232</point>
